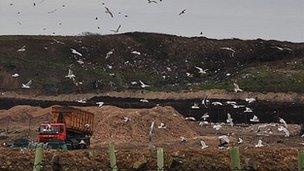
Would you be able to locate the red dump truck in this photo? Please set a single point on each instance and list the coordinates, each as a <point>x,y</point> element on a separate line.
<point>69,126</point>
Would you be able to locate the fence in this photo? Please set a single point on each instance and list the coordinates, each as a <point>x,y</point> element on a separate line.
<point>40,164</point>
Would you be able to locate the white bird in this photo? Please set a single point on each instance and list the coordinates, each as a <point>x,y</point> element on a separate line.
<point>162,126</point>
<point>100,104</point>
<point>27,85</point>
<point>250,100</point>
<point>111,52</point>
<point>183,139</point>
<point>80,61</point>
<point>217,127</point>
<point>281,120</point>
<point>285,130</point>
<point>201,71</point>
<point>237,88</point>
<point>143,85</point>
<point>205,116</point>
<point>224,138</point>
<point>259,144</point>
<point>229,49</point>
<point>126,119</point>
<point>151,129</point>
<point>229,119</point>
<point>255,119</point>
<point>205,102</point>
<point>133,82</point>
<point>203,123</point>
<point>144,100</point>
<point>70,75</point>
<point>248,110</point>
<point>237,106</point>
<point>117,30</point>
<point>203,144</point>
<point>231,102</point>
<point>136,52</point>
<point>217,103</point>
<point>109,12</point>
<point>22,49</point>
<point>15,75</point>
<point>75,52</point>
<point>195,106</point>
<point>240,141</point>
<point>189,75</point>
<point>190,119</point>
<point>82,101</point>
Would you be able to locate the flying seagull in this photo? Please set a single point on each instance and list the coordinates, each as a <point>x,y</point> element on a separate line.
<point>217,127</point>
<point>143,85</point>
<point>203,144</point>
<point>75,52</point>
<point>27,85</point>
<point>228,49</point>
<point>135,52</point>
<point>282,121</point>
<point>126,119</point>
<point>100,104</point>
<point>117,30</point>
<point>205,116</point>
<point>285,130</point>
<point>150,1</point>
<point>205,102</point>
<point>248,110</point>
<point>190,119</point>
<point>70,75</point>
<point>182,12</point>
<point>15,75</point>
<point>250,100</point>
<point>109,12</point>
<point>259,144</point>
<point>21,49</point>
<point>201,71</point>
<point>111,52</point>
<point>229,119</point>
<point>255,119</point>
<point>237,88</point>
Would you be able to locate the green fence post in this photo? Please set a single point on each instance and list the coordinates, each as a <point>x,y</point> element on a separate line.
<point>235,159</point>
<point>38,158</point>
<point>160,159</point>
<point>112,157</point>
<point>301,161</point>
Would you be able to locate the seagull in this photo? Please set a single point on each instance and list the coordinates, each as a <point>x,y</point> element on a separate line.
<point>203,144</point>
<point>203,123</point>
<point>144,100</point>
<point>190,119</point>
<point>236,88</point>
<point>182,12</point>
<point>70,75</point>
<point>237,106</point>
<point>162,126</point>
<point>136,52</point>
<point>229,49</point>
<point>229,119</point>
<point>255,119</point>
<point>217,127</point>
<point>195,106</point>
<point>133,82</point>
<point>205,102</point>
<point>240,141</point>
<point>27,85</point>
<point>109,12</point>
<point>100,104</point>
<point>143,85</point>
<point>50,12</point>
<point>150,1</point>
<point>126,119</point>
<point>183,139</point>
<point>230,102</point>
<point>201,71</point>
<point>285,130</point>
<point>15,75</point>
<point>189,75</point>
<point>224,140</point>
<point>22,49</point>
<point>248,110</point>
<point>217,103</point>
<point>250,100</point>
<point>151,129</point>
<point>117,30</point>
<point>75,52</point>
<point>259,144</point>
<point>205,116</point>
<point>82,101</point>
<point>109,53</point>
<point>281,120</point>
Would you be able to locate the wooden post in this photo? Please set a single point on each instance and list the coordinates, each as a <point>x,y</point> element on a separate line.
<point>160,159</point>
<point>38,158</point>
<point>235,159</point>
<point>301,161</point>
<point>112,157</point>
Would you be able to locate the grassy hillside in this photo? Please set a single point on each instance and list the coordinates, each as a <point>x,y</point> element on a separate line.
<point>164,60</point>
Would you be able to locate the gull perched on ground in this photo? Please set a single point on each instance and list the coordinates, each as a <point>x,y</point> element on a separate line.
<point>100,104</point>
<point>203,123</point>
<point>195,106</point>
<point>27,85</point>
<point>255,119</point>
<point>248,110</point>
<point>82,101</point>
<point>109,53</point>
<point>70,75</point>
<point>109,12</point>
<point>231,102</point>
<point>236,88</point>
<point>281,120</point>
<point>203,144</point>
<point>22,49</point>
<point>162,126</point>
<point>217,127</point>
<point>135,52</point>
<point>75,52</point>
<point>143,85</point>
<point>15,75</point>
<point>205,116</point>
<point>117,30</point>
<point>183,139</point>
<point>285,130</point>
<point>144,100</point>
<point>217,103</point>
<point>240,141</point>
<point>250,100</point>
<point>229,119</point>
<point>224,140</point>
<point>201,71</point>
<point>126,119</point>
<point>259,144</point>
<point>190,119</point>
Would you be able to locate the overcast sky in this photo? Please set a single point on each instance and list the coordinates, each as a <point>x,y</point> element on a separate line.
<point>246,19</point>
